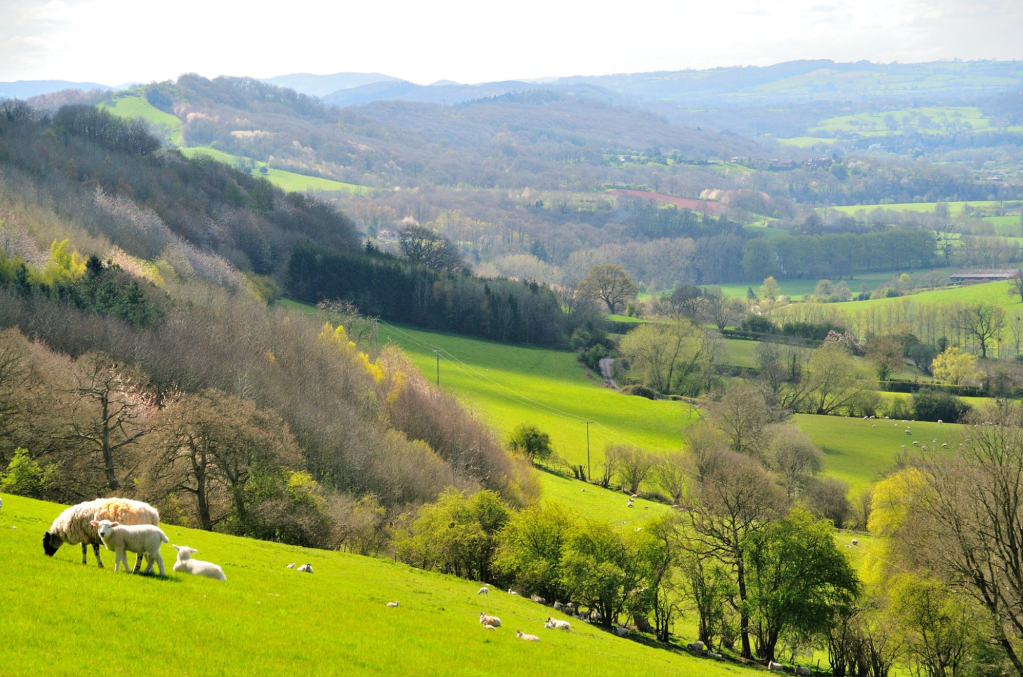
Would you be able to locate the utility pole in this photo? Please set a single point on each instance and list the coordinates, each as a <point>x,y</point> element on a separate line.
<point>589,472</point>
<point>437,353</point>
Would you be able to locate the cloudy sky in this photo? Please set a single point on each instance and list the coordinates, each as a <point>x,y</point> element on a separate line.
<point>117,41</point>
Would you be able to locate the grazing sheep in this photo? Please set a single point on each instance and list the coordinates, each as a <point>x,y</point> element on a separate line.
<point>569,608</point>
<point>855,541</point>
<point>633,496</point>
<point>490,620</point>
<point>621,631</point>
<point>596,616</point>
<point>390,604</point>
<point>775,667</point>
<point>196,567</point>
<point>483,591</point>
<point>538,599</point>
<point>908,432</point>
<point>512,592</point>
<point>934,441</point>
<point>802,670</point>
<point>141,539</point>
<point>306,568</point>
<point>874,426</point>
<point>74,525</point>
<point>558,606</point>
<point>556,624</point>
<point>915,443</point>
<point>582,490</point>
<point>696,646</point>
<point>713,654</point>
<point>944,446</point>
<point>528,638</point>
<point>940,421</point>
<point>864,418</point>
<point>629,504</point>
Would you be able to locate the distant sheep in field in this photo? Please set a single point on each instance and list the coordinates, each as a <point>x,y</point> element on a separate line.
<point>553,623</point>
<point>855,541</point>
<point>306,568</point>
<point>874,426</point>
<point>489,627</point>
<point>74,525</point>
<point>512,592</point>
<point>908,432</point>
<point>915,443</point>
<point>493,621</point>
<point>196,567</point>
<point>538,599</point>
<point>141,539</point>
<point>802,670</point>
<point>944,446</point>
<point>483,591</point>
<point>716,656</point>
<point>392,604</point>
<point>775,667</point>
<point>696,646</point>
<point>558,606</point>
<point>528,638</point>
<point>940,421</point>
<point>621,631</point>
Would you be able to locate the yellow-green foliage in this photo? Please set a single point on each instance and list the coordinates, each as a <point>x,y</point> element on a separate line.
<point>66,264</point>
<point>955,367</point>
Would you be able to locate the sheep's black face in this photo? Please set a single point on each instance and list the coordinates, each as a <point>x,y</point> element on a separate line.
<point>50,544</point>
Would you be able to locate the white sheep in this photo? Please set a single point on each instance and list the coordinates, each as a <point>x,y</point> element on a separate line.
<point>74,525</point>
<point>512,592</point>
<point>538,599</point>
<point>558,606</point>
<point>196,567</point>
<point>292,565</point>
<point>855,541</point>
<point>306,568</point>
<point>621,631</point>
<point>556,624</point>
<point>695,646</point>
<point>775,667</point>
<point>392,604</point>
<point>490,620</point>
<point>141,539</point>
<point>802,670</point>
<point>713,654</point>
<point>489,627</point>
<point>528,638</point>
<point>483,591</point>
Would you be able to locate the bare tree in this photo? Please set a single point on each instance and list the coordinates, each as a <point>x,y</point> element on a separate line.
<point>1016,284</point>
<point>634,465</point>
<point>610,284</point>
<point>743,416</point>
<point>109,412</point>
<point>982,322</point>
<point>671,475</point>
<point>794,457</point>
<point>426,247</point>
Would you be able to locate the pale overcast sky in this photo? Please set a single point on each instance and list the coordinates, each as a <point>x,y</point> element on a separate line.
<point>117,41</point>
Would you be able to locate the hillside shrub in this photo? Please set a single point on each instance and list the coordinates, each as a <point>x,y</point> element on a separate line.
<point>640,390</point>
<point>937,405</point>
<point>758,324</point>
<point>26,476</point>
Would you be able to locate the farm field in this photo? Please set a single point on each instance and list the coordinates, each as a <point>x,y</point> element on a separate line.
<point>738,353</point>
<point>953,207</point>
<point>598,504</point>
<point>267,619</point>
<point>285,180</point>
<point>806,141</point>
<point>797,289</point>
<point>996,293</point>
<point>927,120</point>
<point>135,106</point>
<point>856,452</point>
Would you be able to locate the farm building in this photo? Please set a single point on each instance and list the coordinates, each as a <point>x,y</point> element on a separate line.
<point>982,275</point>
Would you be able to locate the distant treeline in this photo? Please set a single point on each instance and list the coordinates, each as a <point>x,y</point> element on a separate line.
<point>819,256</point>
<point>383,285</point>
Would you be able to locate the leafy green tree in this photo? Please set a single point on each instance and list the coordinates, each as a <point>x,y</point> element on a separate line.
<point>885,353</point>
<point>609,284</point>
<point>940,628</point>
<point>955,367</point>
<point>930,404</point>
<point>531,442</point>
<point>799,581</point>
<point>531,548</point>
<point>26,476</point>
<point>456,535</point>
<point>674,358</point>
<point>769,290</point>
<point>600,569</point>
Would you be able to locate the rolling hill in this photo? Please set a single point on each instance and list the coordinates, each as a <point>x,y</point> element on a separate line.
<point>268,619</point>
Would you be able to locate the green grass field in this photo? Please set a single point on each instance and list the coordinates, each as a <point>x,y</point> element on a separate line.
<point>806,141</point>
<point>797,289</point>
<point>135,106</point>
<point>290,181</point>
<point>953,207</point>
<point>856,452</point>
<point>996,293</point>
<point>598,504</point>
<point>926,120</point>
<point>740,353</point>
<point>62,618</point>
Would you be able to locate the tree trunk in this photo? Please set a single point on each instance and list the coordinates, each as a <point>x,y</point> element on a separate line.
<point>747,652</point>
<point>108,454</point>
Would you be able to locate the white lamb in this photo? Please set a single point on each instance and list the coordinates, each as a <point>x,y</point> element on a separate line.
<point>141,539</point>
<point>696,646</point>
<point>529,638</point>
<point>775,667</point>
<point>554,623</point>
<point>306,568</point>
<point>74,525</point>
<point>196,567</point>
<point>393,604</point>
<point>803,671</point>
<point>483,591</point>
<point>493,621</point>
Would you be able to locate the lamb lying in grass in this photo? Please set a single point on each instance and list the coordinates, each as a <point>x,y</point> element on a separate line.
<point>557,625</point>
<point>528,638</point>
<point>492,621</point>
<point>196,567</point>
<point>141,539</point>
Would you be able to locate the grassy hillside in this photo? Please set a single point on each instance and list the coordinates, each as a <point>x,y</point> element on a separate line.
<point>856,452</point>
<point>267,619</point>
<point>797,289</point>
<point>285,180</point>
<point>953,207</point>
<point>925,120</point>
<point>135,106</point>
<point>989,292</point>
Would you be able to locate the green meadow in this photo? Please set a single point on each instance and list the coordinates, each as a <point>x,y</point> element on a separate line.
<point>135,106</point>
<point>953,207</point>
<point>806,141</point>
<point>927,119</point>
<point>290,181</point>
<point>267,619</point>
<point>996,293</point>
<point>797,289</point>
